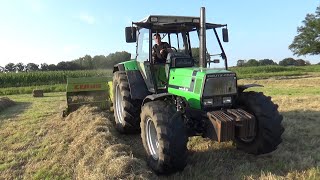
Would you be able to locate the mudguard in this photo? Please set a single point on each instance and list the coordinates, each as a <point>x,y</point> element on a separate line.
<point>154,97</point>
<point>137,85</point>
<point>241,88</point>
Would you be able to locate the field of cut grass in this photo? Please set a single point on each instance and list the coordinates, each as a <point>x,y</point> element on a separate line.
<point>36,143</point>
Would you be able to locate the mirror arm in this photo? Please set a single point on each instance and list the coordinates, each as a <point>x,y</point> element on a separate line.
<point>223,54</point>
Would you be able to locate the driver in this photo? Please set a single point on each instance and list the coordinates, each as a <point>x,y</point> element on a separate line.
<point>160,50</point>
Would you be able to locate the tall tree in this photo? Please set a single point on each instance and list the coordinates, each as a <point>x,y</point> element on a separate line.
<point>241,62</point>
<point>300,62</point>
<point>20,67</point>
<point>32,67</point>
<point>307,42</point>
<point>87,62</point>
<point>287,62</point>
<point>52,67</point>
<point>44,67</point>
<point>252,62</point>
<point>10,67</point>
<point>265,62</point>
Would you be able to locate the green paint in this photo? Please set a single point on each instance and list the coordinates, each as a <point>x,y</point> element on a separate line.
<point>87,84</point>
<point>160,74</point>
<point>180,83</point>
<point>130,65</point>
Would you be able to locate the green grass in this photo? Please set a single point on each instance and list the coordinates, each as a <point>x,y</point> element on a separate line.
<point>262,72</point>
<point>21,135</point>
<point>29,89</point>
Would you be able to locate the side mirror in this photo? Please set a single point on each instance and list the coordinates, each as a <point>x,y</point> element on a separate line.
<point>225,35</point>
<point>131,34</point>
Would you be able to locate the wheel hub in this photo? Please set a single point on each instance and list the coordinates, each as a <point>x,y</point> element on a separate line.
<point>118,104</point>
<point>152,139</point>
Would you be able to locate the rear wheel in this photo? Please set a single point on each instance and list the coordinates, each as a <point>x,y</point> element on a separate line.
<point>126,110</point>
<point>268,124</point>
<point>164,137</point>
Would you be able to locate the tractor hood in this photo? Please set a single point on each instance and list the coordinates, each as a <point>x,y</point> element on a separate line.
<point>194,83</point>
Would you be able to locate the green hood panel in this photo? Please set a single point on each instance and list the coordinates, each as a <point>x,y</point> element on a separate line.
<point>188,83</point>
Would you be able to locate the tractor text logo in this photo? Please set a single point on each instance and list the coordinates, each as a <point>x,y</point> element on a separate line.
<point>87,86</point>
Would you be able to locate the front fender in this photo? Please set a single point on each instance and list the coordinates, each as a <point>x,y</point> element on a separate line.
<point>241,88</point>
<point>154,97</point>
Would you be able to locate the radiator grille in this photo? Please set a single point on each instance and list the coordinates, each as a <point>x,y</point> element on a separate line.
<point>220,86</point>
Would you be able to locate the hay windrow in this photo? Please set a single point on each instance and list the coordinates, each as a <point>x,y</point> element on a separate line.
<point>95,152</point>
<point>5,103</point>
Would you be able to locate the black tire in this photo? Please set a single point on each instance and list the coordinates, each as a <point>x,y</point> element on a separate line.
<point>126,110</point>
<point>169,134</point>
<point>268,124</point>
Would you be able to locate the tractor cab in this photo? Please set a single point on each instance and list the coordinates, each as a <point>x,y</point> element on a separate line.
<point>182,34</point>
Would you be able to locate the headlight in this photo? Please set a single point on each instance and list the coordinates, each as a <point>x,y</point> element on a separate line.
<point>226,100</point>
<point>208,102</point>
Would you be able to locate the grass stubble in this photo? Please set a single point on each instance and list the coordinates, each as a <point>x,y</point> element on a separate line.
<point>37,144</point>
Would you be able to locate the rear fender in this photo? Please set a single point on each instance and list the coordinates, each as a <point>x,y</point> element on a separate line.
<point>118,67</point>
<point>241,88</point>
<point>137,85</point>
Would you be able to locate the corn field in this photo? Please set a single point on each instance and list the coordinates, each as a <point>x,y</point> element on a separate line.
<point>37,78</point>
<point>23,79</point>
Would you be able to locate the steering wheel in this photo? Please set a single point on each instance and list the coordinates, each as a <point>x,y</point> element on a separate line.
<point>174,48</point>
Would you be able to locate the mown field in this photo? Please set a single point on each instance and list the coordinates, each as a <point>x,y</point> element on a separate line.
<point>36,143</point>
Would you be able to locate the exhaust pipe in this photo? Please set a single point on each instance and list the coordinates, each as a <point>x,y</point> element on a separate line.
<point>202,53</point>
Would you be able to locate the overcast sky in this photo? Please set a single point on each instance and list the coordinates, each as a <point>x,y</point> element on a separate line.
<point>50,31</point>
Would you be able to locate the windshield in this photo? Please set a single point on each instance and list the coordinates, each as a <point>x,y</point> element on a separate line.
<point>177,41</point>
<point>214,59</point>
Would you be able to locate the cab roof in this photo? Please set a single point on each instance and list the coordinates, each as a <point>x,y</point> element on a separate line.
<point>173,24</point>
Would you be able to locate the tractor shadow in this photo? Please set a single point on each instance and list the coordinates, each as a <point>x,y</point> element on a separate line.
<point>298,152</point>
<point>13,111</point>
<point>207,159</point>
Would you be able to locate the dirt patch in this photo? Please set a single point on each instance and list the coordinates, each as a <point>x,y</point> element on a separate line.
<point>5,103</point>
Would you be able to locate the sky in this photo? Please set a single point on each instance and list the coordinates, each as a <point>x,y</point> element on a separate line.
<point>50,31</point>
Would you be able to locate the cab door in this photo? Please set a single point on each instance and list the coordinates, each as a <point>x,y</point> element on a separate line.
<point>144,58</point>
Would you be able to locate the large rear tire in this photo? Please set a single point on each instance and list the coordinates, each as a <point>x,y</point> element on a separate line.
<point>126,110</point>
<point>164,137</point>
<point>268,124</point>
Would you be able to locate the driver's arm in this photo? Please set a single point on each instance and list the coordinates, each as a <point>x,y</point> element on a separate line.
<point>167,47</point>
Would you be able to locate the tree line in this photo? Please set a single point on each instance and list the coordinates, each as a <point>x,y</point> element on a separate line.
<point>83,63</point>
<point>266,62</point>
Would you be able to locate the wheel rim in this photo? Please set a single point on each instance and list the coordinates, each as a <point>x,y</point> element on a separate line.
<point>152,140</point>
<point>118,102</point>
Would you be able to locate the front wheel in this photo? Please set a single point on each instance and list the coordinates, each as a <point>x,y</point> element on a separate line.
<point>164,137</point>
<point>268,124</point>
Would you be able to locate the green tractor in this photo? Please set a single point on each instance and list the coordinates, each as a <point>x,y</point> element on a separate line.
<point>180,98</point>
